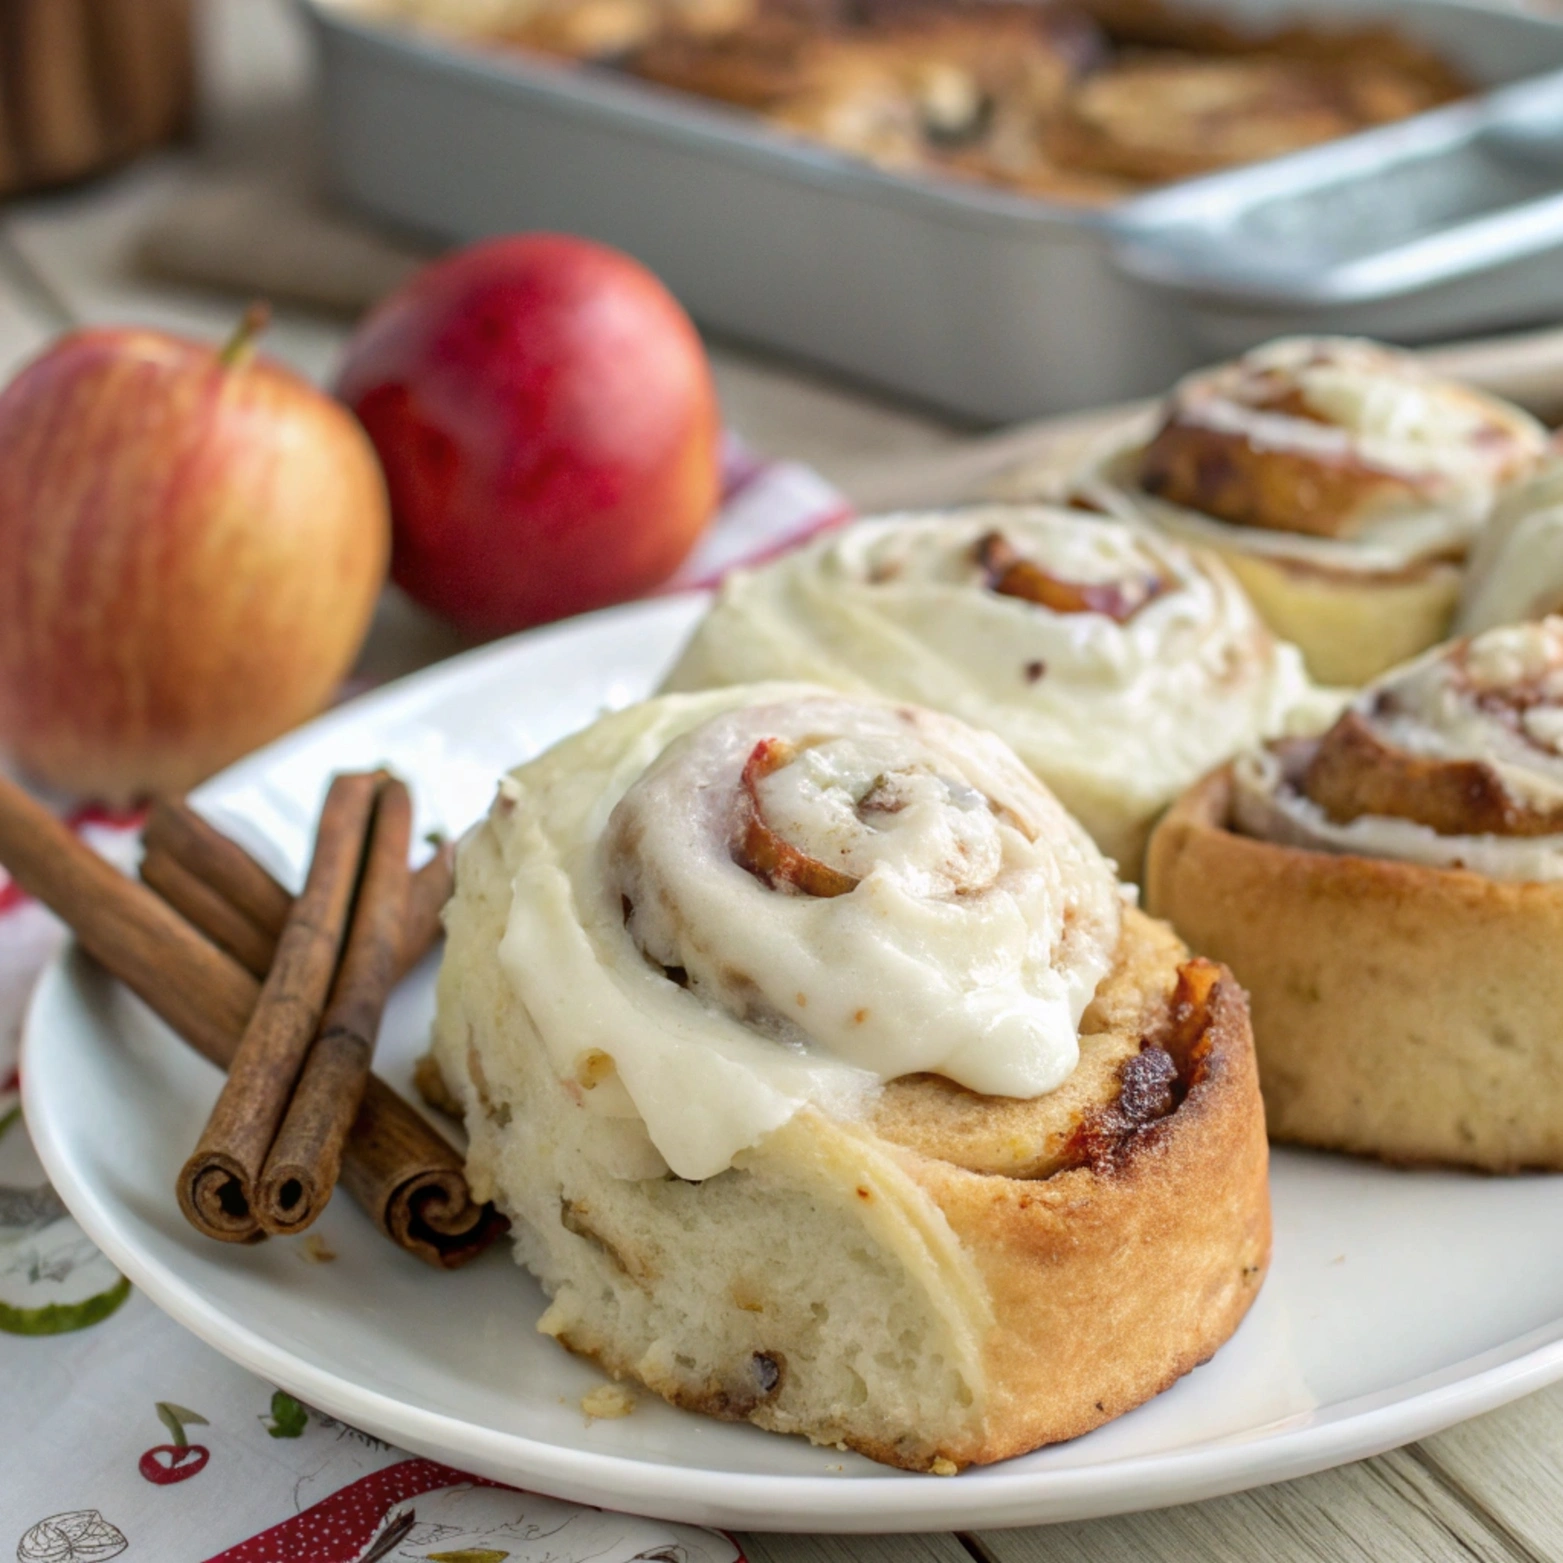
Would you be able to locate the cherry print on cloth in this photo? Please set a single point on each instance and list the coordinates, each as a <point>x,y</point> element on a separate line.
<point>166,1464</point>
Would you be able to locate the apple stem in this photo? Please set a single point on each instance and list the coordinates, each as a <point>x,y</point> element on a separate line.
<point>239,349</point>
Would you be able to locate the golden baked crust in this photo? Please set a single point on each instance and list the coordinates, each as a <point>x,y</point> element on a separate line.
<point>1399,1011</point>
<point>723,1208</point>
<point>1034,1139</point>
<point>1107,1277</point>
<point>1153,1251</point>
<point>1115,1274</point>
<point>1350,625</point>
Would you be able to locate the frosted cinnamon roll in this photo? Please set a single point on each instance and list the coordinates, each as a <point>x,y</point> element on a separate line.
<point>1116,663</point>
<point>1516,568</point>
<point>1158,116</point>
<point>1341,481</point>
<point>1391,895</point>
<point>822,1065</point>
<point>918,88</point>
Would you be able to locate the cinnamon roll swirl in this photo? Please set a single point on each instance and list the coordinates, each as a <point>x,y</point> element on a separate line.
<point>1117,664</point>
<point>826,1073</point>
<point>1391,895</point>
<point>1341,481</point>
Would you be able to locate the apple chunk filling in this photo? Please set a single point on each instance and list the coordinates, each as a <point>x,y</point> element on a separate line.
<point>1009,574</point>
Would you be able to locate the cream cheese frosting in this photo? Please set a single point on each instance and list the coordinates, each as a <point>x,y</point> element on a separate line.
<point>1497,699</point>
<point>727,906</point>
<point>1266,804</point>
<point>1516,569</point>
<point>1159,668</point>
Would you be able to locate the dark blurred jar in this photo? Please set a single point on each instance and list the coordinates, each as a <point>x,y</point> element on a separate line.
<point>87,84</point>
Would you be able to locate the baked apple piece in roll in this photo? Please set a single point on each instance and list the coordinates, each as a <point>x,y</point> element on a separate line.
<point>1342,482</point>
<point>1391,895</point>
<point>833,1083</point>
<point>1117,664</point>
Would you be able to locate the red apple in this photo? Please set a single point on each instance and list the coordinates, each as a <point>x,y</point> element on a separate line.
<point>191,543</point>
<point>549,430</point>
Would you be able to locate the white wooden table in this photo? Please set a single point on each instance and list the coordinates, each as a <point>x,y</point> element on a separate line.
<point>1489,1489</point>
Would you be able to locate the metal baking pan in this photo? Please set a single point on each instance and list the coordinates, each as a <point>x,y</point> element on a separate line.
<point>990,305</point>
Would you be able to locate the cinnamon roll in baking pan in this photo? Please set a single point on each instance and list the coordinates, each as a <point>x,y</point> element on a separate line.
<point>1157,117</point>
<point>1341,481</point>
<point>963,91</point>
<point>1391,895</point>
<point>832,1083</point>
<point>1079,103</point>
<point>1118,665</point>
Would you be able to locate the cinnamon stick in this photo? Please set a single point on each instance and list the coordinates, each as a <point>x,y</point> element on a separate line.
<point>175,829</point>
<point>203,994</point>
<point>431,887</point>
<point>302,1167</point>
<point>406,1175</point>
<point>199,904</point>
<point>414,1185</point>
<point>217,1185</point>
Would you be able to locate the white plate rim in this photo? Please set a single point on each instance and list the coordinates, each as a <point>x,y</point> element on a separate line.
<point>990,1499</point>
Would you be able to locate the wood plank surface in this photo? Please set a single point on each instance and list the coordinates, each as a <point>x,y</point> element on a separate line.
<point>1389,1510</point>
<point>1509,1464</point>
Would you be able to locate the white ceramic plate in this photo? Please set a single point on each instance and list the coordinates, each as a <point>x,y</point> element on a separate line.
<point>1399,1301</point>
